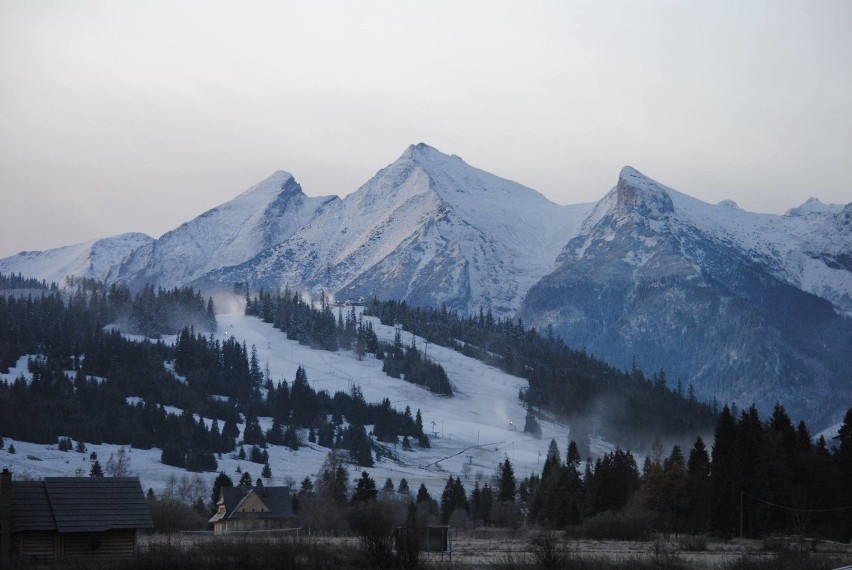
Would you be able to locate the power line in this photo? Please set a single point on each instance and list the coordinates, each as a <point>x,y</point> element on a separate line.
<point>795,510</point>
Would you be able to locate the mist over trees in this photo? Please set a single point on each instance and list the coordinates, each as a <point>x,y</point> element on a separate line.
<point>628,407</point>
<point>90,383</point>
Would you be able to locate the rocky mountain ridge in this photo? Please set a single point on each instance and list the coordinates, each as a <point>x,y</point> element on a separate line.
<point>743,306</point>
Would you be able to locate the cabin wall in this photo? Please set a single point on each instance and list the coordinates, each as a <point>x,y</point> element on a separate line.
<point>117,543</point>
<point>35,545</point>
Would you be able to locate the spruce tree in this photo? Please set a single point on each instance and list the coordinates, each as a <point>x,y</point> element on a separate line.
<point>423,495</point>
<point>365,489</point>
<point>699,487</point>
<point>403,487</point>
<point>508,485</point>
<point>307,487</point>
<point>221,480</point>
<point>723,476</point>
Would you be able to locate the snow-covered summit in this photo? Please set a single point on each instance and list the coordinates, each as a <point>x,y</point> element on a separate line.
<point>813,206</point>
<point>264,215</point>
<point>639,193</point>
<point>428,228</point>
<point>92,259</point>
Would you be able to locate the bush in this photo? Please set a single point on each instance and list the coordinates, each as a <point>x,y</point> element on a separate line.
<point>172,514</point>
<point>372,523</point>
<point>547,552</point>
<point>693,543</point>
<point>631,524</point>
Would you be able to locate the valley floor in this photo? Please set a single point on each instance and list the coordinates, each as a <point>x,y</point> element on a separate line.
<point>504,549</point>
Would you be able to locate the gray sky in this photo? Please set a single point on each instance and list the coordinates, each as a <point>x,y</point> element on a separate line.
<point>121,116</point>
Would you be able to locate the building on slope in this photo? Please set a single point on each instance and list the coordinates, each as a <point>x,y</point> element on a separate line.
<point>75,518</point>
<point>253,508</point>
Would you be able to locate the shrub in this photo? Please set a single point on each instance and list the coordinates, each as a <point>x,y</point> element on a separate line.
<point>547,552</point>
<point>172,514</point>
<point>693,542</point>
<point>631,524</point>
<point>373,525</point>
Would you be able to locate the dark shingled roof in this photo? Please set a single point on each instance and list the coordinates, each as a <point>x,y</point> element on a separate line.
<point>31,507</point>
<point>276,498</point>
<point>79,504</point>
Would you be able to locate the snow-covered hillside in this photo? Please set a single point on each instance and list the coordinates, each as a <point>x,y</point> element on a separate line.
<point>470,433</point>
<point>93,259</point>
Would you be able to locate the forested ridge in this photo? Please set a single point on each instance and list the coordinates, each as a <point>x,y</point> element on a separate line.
<point>627,408</point>
<point>91,383</point>
<point>318,327</point>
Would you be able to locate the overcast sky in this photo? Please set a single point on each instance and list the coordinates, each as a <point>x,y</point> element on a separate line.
<point>137,116</point>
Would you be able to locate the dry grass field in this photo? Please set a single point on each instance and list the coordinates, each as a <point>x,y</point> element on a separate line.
<point>506,549</point>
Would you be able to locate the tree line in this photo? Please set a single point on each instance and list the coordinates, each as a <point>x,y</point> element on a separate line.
<point>566,383</point>
<point>757,478</point>
<point>319,328</point>
<point>93,384</point>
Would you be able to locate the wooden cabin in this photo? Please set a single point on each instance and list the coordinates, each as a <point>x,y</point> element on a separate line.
<point>253,508</point>
<point>83,518</point>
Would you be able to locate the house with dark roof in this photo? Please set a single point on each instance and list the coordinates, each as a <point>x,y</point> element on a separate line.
<point>71,517</point>
<point>253,508</point>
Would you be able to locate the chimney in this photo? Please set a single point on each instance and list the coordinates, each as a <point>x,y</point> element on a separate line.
<point>5,516</point>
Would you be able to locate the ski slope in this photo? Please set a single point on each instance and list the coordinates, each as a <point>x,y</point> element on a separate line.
<point>470,433</point>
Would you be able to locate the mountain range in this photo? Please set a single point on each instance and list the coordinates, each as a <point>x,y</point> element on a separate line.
<point>742,306</point>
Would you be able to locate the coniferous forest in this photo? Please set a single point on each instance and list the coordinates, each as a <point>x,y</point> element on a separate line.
<point>627,408</point>
<point>91,383</point>
<point>318,328</point>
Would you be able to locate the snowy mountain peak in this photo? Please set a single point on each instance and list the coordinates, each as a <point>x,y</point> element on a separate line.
<point>92,259</point>
<point>423,152</point>
<point>432,160</point>
<point>270,186</point>
<point>638,193</point>
<point>814,206</point>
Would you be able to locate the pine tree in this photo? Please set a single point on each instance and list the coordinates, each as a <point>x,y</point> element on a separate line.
<point>267,472</point>
<point>531,426</point>
<point>699,487</point>
<point>96,470</point>
<point>508,485</point>
<point>486,503</point>
<point>843,461</point>
<point>448,500</point>
<point>365,489</point>
<point>221,480</point>
<point>307,487</point>
<point>423,495</point>
<point>723,475</point>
